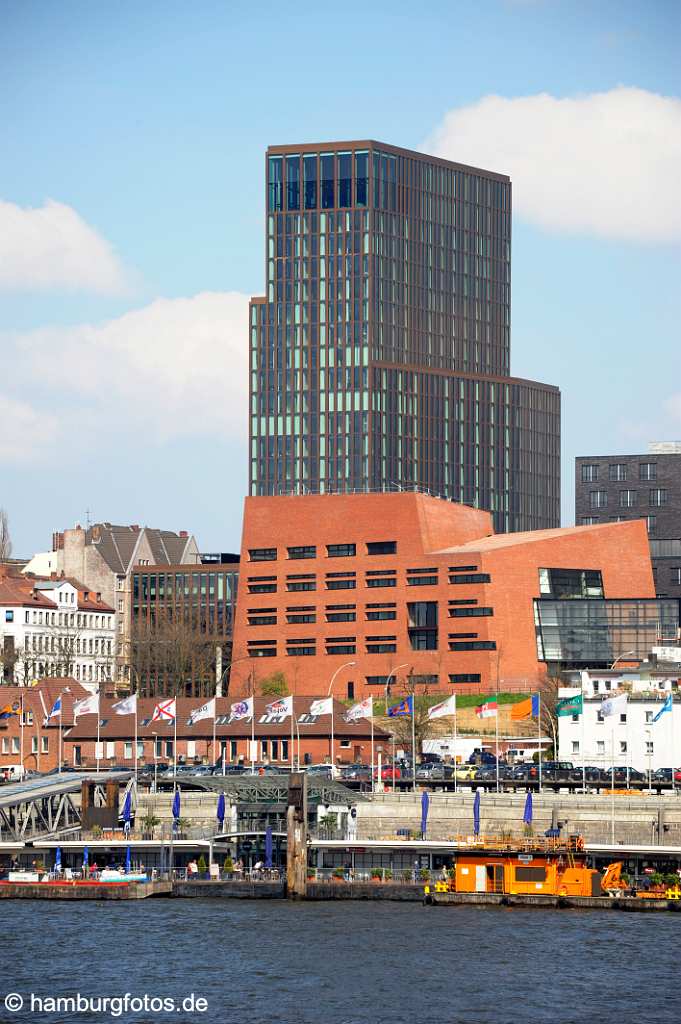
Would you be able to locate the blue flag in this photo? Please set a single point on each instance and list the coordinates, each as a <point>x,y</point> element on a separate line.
<point>527,813</point>
<point>404,709</point>
<point>425,803</point>
<point>667,706</point>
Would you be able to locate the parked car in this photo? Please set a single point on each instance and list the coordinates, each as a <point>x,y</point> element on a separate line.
<point>557,771</point>
<point>357,772</point>
<point>389,773</point>
<point>321,770</point>
<point>526,771</point>
<point>590,773</point>
<point>464,772</point>
<point>230,769</point>
<point>429,758</point>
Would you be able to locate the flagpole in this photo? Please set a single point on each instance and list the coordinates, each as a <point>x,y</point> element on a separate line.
<point>292,748</point>
<point>175,746</point>
<point>332,738</point>
<point>612,783</point>
<point>371,719</point>
<point>22,732</point>
<point>583,745</point>
<point>456,719</point>
<point>413,746</point>
<point>496,743</point>
<point>215,716</point>
<point>253,736</point>
<point>539,734</point>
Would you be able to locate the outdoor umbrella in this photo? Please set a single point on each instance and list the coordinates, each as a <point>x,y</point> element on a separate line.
<point>176,809</point>
<point>127,861</point>
<point>85,859</point>
<point>527,813</point>
<point>221,811</point>
<point>425,801</point>
<point>476,813</point>
<point>268,846</point>
<point>57,859</point>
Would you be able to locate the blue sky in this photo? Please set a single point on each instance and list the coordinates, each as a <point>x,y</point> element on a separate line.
<point>146,124</point>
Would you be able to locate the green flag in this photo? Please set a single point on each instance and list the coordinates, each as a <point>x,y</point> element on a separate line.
<point>570,705</point>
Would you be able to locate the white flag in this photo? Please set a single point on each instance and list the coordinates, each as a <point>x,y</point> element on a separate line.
<point>322,707</point>
<point>87,706</point>
<point>614,705</point>
<point>446,707</point>
<point>364,709</point>
<point>165,711</point>
<point>242,709</point>
<point>127,706</point>
<point>282,708</point>
<point>206,710</point>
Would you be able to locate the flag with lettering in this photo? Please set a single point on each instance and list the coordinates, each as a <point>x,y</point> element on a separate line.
<point>87,706</point>
<point>206,710</point>
<point>444,708</point>
<point>364,709</point>
<point>614,705</point>
<point>570,706</point>
<point>281,708</point>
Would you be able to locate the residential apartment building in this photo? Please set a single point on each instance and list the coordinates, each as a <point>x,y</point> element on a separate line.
<point>375,589</point>
<point>380,350</point>
<point>27,738</point>
<point>617,488</point>
<point>102,557</point>
<point>54,627</point>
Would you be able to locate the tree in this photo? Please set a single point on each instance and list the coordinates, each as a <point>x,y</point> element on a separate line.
<point>172,655</point>
<point>5,539</point>
<point>423,726</point>
<point>274,685</point>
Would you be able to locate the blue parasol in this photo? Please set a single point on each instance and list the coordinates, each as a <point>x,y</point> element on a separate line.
<point>86,858</point>
<point>176,808</point>
<point>476,813</point>
<point>127,861</point>
<point>268,846</point>
<point>221,811</point>
<point>57,859</point>
<point>425,803</point>
<point>527,813</point>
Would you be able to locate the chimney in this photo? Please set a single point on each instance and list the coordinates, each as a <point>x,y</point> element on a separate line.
<point>135,528</point>
<point>183,534</point>
<point>99,597</point>
<point>57,541</point>
<point>96,534</point>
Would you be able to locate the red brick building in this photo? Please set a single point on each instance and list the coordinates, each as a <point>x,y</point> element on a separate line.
<point>406,584</point>
<point>39,743</point>
<point>311,736</point>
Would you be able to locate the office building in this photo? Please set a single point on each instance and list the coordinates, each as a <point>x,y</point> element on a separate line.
<point>380,350</point>
<point>618,488</point>
<point>361,592</point>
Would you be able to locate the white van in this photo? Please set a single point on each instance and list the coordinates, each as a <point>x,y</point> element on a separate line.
<point>12,772</point>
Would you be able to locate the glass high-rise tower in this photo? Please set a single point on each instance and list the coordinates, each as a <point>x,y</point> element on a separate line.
<point>380,353</point>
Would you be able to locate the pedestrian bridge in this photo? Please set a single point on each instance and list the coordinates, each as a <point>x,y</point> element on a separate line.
<point>47,805</point>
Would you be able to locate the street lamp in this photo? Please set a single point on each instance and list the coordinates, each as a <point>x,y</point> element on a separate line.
<point>620,656</point>
<point>340,668</point>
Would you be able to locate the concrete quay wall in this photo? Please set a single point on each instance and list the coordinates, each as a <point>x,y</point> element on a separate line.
<point>639,819</point>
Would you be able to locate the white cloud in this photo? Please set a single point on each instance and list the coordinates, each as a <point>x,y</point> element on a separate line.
<point>605,164</point>
<point>175,368</point>
<point>53,247</point>
<point>25,432</point>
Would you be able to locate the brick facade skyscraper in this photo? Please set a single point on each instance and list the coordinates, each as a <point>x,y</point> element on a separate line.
<point>380,353</point>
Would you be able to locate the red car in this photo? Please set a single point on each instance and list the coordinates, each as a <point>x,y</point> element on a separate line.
<point>389,773</point>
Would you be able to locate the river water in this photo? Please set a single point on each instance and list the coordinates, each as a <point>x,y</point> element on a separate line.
<point>256,962</point>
